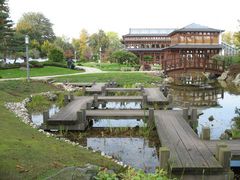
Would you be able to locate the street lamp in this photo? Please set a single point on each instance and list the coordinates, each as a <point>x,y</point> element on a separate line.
<point>100,55</point>
<point>27,59</point>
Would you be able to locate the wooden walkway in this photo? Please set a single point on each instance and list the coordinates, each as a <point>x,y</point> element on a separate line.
<point>69,112</point>
<point>116,114</point>
<point>187,152</point>
<point>155,95</point>
<point>96,88</point>
<point>234,146</point>
<point>123,89</point>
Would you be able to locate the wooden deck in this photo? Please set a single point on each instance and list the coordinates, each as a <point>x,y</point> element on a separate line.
<point>155,95</point>
<point>187,152</point>
<point>234,146</point>
<point>116,114</point>
<point>123,89</point>
<point>69,112</point>
<point>96,88</point>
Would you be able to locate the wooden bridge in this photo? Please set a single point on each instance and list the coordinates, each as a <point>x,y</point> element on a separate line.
<point>184,65</point>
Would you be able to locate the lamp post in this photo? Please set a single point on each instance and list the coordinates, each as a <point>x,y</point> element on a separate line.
<point>27,59</point>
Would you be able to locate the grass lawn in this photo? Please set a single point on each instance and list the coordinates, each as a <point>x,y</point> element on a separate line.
<point>120,77</point>
<point>106,66</point>
<point>26,153</point>
<point>45,71</point>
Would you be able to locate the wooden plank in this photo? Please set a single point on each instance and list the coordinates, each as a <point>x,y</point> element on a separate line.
<point>155,95</point>
<point>201,147</point>
<point>189,143</point>
<point>165,140</point>
<point>174,139</point>
<point>117,114</point>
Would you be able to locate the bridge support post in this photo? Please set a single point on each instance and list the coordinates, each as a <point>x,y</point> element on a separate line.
<point>84,90</point>
<point>142,88</point>
<point>151,118</point>
<point>205,135</point>
<point>71,97</point>
<point>89,105</point>
<point>225,157</point>
<point>194,115</point>
<point>103,89</point>
<point>81,119</point>
<point>164,154</point>
<point>66,101</point>
<point>218,146</point>
<point>144,100</point>
<point>45,117</point>
<point>185,114</point>
<point>95,100</point>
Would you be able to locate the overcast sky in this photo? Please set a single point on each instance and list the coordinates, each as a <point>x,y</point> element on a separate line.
<point>70,16</point>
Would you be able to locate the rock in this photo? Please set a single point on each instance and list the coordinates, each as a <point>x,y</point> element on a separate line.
<point>228,132</point>
<point>168,80</point>
<point>224,136</point>
<point>223,76</point>
<point>236,81</point>
<point>78,68</point>
<point>70,173</point>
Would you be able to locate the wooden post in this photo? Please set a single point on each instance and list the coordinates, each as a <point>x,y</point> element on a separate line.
<point>103,89</point>
<point>95,100</point>
<point>218,146</point>
<point>142,88</point>
<point>89,105</point>
<point>71,97</point>
<point>151,117</point>
<point>84,90</point>
<point>45,117</point>
<point>66,101</point>
<point>144,99</point>
<point>225,157</point>
<point>170,98</point>
<point>94,82</point>
<point>185,113</point>
<point>164,154</point>
<point>194,114</point>
<point>81,119</point>
<point>205,135</point>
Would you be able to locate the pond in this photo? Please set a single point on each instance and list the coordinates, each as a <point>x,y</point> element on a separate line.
<point>210,101</point>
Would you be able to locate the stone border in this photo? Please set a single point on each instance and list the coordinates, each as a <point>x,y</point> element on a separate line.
<point>20,110</point>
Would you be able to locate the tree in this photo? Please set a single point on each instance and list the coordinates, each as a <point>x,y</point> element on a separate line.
<point>227,37</point>
<point>83,44</point>
<point>56,55</point>
<point>237,37</point>
<point>63,44</point>
<point>17,45</point>
<point>97,41</point>
<point>46,47</point>
<point>124,57</point>
<point>114,44</point>
<point>37,26</point>
<point>6,31</point>
<point>147,58</point>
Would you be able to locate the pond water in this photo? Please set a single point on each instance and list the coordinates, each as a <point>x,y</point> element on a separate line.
<point>118,123</point>
<point>135,152</point>
<point>211,102</point>
<point>37,118</point>
<point>120,105</point>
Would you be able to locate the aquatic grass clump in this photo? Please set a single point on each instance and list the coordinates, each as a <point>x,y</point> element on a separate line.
<point>236,124</point>
<point>39,103</point>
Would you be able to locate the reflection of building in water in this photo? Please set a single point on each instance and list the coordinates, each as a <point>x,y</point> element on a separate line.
<point>196,96</point>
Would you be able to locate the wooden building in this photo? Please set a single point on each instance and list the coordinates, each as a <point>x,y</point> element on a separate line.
<point>190,47</point>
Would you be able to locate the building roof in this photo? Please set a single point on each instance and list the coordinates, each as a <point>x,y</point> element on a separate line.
<point>149,31</point>
<point>196,28</point>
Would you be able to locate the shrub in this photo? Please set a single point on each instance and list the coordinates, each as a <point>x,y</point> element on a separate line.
<point>56,55</point>
<point>124,57</point>
<point>57,64</point>
<point>36,64</point>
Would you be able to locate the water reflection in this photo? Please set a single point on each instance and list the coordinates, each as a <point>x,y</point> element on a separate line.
<point>135,152</point>
<point>120,105</point>
<point>211,101</point>
<point>37,118</point>
<point>118,123</point>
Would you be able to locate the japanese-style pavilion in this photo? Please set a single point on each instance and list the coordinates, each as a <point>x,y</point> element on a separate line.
<point>184,49</point>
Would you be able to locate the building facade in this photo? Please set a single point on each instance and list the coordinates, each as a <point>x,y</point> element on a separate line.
<point>192,45</point>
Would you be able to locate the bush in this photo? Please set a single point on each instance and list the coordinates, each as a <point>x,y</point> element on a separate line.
<point>36,64</point>
<point>9,66</point>
<point>57,64</point>
<point>56,55</point>
<point>124,57</point>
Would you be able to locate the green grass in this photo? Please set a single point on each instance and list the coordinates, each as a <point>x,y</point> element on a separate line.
<point>26,153</point>
<point>45,71</point>
<point>107,66</point>
<point>120,77</point>
<point>236,133</point>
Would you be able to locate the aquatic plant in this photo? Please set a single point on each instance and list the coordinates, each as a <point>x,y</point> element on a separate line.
<point>39,103</point>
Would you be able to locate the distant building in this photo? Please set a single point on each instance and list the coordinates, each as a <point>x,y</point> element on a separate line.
<point>192,42</point>
<point>229,50</point>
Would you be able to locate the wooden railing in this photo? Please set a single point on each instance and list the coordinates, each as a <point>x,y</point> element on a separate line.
<point>199,64</point>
